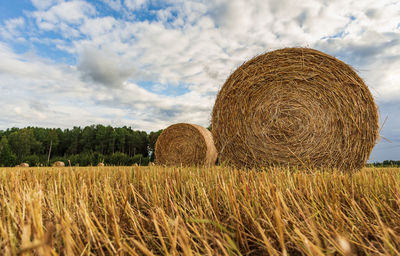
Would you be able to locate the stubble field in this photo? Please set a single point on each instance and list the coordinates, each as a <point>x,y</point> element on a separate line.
<point>198,211</point>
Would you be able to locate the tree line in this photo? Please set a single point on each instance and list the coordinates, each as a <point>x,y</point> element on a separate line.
<point>86,146</point>
<point>81,146</point>
<point>386,163</point>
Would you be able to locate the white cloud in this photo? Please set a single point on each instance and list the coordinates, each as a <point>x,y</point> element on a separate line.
<point>157,111</point>
<point>12,27</point>
<point>135,4</point>
<point>44,4</point>
<point>104,66</point>
<point>190,47</point>
<point>65,99</point>
<point>98,26</point>
<point>36,92</point>
<point>384,76</point>
<point>12,24</point>
<point>113,4</point>
<point>17,65</point>
<point>72,12</point>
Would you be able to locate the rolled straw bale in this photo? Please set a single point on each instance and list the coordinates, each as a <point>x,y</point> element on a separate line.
<point>100,164</point>
<point>186,144</point>
<point>23,165</point>
<point>58,164</point>
<point>295,107</point>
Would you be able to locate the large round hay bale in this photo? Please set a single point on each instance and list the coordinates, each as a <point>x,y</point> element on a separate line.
<point>295,107</point>
<point>100,164</point>
<point>23,165</point>
<point>186,144</point>
<point>58,164</point>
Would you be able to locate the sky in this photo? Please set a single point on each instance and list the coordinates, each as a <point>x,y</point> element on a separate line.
<point>150,63</point>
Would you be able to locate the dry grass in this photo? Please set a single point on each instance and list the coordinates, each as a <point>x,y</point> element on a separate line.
<point>295,107</point>
<point>185,144</point>
<point>198,211</point>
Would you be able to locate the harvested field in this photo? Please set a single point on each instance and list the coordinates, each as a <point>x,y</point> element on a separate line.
<point>198,211</point>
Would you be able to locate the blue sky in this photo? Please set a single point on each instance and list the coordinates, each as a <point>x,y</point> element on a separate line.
<point>151,63</point>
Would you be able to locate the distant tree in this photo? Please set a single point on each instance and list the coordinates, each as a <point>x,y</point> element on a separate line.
<point>111,134</point>
<point>97,158</point>
<point>22,142</point>
<point>101,139</point>
<point>119,158</point>
<point>32,160</point>
<point>85,159</point>
<point>121,134</point>
<point>88,138</point>
<point>73,139</point>
<point>83,146</point>
<point>7,157</point>
<point>140,159</point>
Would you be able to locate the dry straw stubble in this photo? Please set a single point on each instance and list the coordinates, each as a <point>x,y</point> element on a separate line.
<point>186,144</point>
<point>295,107</point>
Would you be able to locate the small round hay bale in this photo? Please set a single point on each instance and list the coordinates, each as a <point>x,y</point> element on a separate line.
<point>100,164</point>
<point>295,107</point>
<point>58,164</point>
<point>186,144</point>
<point>23,165</point>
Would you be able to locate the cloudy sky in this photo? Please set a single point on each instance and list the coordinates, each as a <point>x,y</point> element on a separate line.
<point>151,63</point>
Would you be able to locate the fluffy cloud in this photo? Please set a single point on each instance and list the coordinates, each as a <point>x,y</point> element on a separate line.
<point>55,95</point>
<point>58,16</point>
<point>113,4</point>
<point>44,4</point>
<point>167,64</point>
<point>25,66</point>
<point>135,4</point>
<point>11,29</point>
<point>104,66</point>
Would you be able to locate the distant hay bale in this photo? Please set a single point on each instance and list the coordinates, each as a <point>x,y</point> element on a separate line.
<point>100,164</point>
<point>295,107</point>
<point>23,165</point>
<point>186,144</point>
<point>58,164</point>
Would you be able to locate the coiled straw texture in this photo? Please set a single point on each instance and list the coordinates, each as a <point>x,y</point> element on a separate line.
<point>186,144</point>
<point>295,107</point>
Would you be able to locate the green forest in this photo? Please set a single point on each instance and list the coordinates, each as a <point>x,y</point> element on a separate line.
<point>77,146</point>
<point>86,146</point>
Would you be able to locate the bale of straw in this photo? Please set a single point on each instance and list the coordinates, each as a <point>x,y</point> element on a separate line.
<point>23,165</point>
<point>58,164</point>
<point>186,144</point>
<point>295,107</point>
<point>100,164</point>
